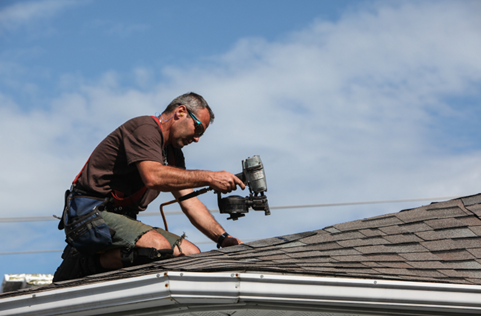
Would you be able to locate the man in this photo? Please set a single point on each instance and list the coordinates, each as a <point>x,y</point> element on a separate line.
<point>131,167</point>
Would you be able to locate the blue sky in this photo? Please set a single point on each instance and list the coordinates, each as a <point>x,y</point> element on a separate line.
<point>343,100</point>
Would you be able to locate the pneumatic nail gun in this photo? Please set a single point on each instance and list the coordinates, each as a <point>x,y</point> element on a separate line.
<point>254,177</point>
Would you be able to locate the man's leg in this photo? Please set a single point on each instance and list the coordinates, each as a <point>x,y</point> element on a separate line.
<point>154,239</point>
<point>130,234</point>
<point>112,259</point>
<point>76,265</point>
<point>134,242</point>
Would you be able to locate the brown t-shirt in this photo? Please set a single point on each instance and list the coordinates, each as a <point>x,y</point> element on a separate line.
<point>112,164</point>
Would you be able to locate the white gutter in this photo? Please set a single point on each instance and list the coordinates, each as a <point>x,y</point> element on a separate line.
<point>170,293</point>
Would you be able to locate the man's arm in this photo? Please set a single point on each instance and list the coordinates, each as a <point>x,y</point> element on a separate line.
<point>201,218</point>
<point>168,179</point>
<point>180,182</point>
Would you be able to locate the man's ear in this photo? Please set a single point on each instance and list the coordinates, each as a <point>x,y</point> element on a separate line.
<point>181,110</point>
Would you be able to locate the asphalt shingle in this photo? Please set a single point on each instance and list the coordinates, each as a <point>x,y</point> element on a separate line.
<point>440,242</point>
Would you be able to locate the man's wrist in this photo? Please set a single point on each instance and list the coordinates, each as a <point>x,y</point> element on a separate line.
<point>221,239</point>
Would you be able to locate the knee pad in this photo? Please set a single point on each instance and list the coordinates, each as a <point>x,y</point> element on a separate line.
<point>140,255</point>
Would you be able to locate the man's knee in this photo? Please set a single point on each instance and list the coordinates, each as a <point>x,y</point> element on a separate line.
<point>188,248</point>
<point>153,239</point>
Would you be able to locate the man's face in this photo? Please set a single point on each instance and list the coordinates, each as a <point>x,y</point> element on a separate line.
<point>184,131</point>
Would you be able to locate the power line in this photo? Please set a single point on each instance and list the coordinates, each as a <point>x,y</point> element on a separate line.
<point>26,252</point>
<point>53,218</point>
<point>48,218</point>
<point>29,252</point>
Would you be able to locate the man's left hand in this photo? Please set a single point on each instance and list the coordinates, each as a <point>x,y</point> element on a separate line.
<point>231,241</point>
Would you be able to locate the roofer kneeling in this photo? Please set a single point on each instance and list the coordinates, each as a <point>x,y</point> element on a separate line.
<point>125,173</point>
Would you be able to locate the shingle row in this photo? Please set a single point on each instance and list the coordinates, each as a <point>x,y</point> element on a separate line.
<point>440,242</point>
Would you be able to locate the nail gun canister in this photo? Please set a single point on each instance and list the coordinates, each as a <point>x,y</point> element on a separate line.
<point>254,172</point>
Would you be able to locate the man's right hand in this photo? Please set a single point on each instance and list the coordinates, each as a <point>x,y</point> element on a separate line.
<point>225,182</point>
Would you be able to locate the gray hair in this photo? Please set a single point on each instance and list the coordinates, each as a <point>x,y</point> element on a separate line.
<point>193,102</point>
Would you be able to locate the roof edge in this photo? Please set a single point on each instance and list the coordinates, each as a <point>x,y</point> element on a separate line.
<point>177,291</point>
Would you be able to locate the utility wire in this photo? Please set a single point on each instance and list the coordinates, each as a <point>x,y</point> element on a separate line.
<point>26,252</point>
<point>29,252</point>
<point>53,218</point>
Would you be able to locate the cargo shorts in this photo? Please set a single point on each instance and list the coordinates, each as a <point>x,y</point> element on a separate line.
<point>128,231</point>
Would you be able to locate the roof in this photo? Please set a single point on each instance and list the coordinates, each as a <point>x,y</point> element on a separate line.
<point>440,242</point>
<point>428,256</point>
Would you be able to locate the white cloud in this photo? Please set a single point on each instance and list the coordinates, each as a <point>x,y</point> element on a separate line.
<point>344,111</point>
<point>25,12</point>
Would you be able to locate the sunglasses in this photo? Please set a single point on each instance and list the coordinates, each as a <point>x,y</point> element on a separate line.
<point>199,128</point>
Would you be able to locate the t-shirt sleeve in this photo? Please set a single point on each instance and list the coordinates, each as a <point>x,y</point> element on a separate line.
<point>143,143</point>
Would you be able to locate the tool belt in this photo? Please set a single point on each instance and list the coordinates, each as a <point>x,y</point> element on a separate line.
<point>116,202</point>
<point>85,229</point>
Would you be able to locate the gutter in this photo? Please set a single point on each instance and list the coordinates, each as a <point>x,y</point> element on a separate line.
<point>171,292</point>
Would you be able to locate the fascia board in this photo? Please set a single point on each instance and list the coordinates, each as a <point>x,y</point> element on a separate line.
<point>360,294</point>
<point>92,299</point>
<point>176,291</point>
<point>350,289</point>
<point>149,291</point>
<point>204,288</point>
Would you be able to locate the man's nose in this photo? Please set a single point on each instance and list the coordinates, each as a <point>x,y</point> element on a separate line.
<point>196,139</point>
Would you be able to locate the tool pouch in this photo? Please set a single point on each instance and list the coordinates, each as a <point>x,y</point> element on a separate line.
<point>84,226</point>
